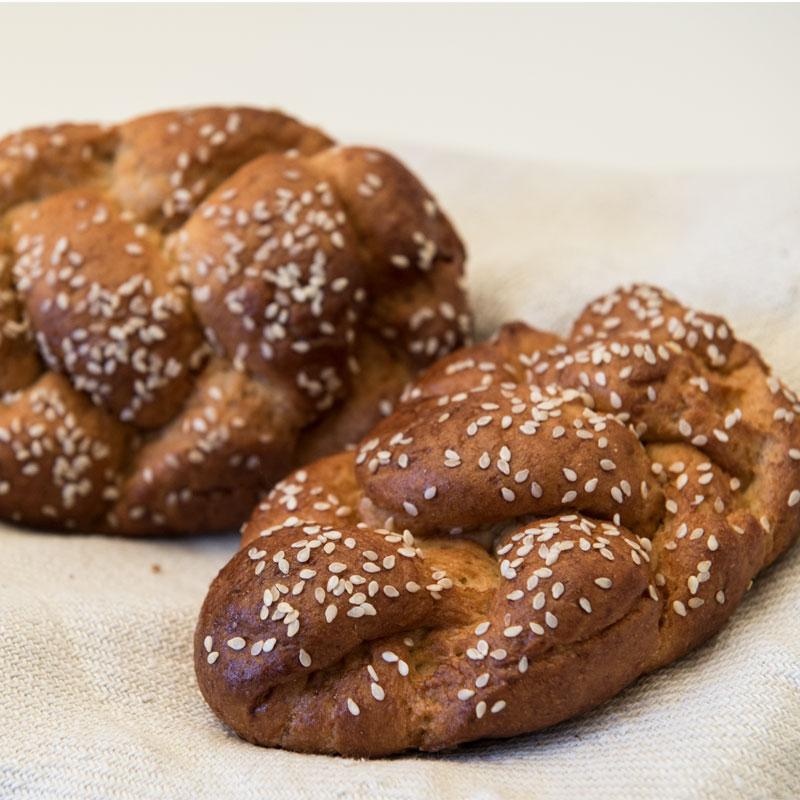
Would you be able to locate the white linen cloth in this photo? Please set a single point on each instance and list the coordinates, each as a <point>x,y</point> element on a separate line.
<point>97,691</point>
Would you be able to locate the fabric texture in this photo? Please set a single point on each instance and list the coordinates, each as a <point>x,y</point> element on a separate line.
<point>97,690</point>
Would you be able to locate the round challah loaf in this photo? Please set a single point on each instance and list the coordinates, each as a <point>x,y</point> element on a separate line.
<point>540,522</point>
<point>191,302</point>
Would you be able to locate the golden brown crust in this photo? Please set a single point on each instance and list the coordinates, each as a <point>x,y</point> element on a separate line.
<point>17,350</point>
<point>170,161</point>
<point>628,483</point>
<point>218,283</point>
<point>38,162</point>
<point>67,455</point>
<point>99,298</point>
<point>372,392</point>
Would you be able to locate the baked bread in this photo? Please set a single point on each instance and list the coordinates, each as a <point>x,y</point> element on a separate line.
<point>191,302</point>
<point>540,522</point>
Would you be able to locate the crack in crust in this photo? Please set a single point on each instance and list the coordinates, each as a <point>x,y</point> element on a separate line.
<point>539,523</point>
<point>203,294</point>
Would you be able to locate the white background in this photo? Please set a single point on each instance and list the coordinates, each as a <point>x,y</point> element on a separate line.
<point>637,86</point>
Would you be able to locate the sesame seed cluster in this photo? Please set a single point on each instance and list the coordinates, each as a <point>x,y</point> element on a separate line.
<point>192,301</point>
<point>540,521</point>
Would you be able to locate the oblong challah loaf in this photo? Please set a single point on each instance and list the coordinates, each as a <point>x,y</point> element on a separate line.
<point>540,522</point>
<point>191,302</point>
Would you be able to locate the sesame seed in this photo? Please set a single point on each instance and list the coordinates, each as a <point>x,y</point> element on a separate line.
<point>236,643</point>
<point>410,508</point>
<point>352,707</point>
<point>377,691</point>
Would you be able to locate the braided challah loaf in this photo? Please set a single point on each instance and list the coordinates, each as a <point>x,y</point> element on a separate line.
<point>193,301</point>
<point>540,522</point>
